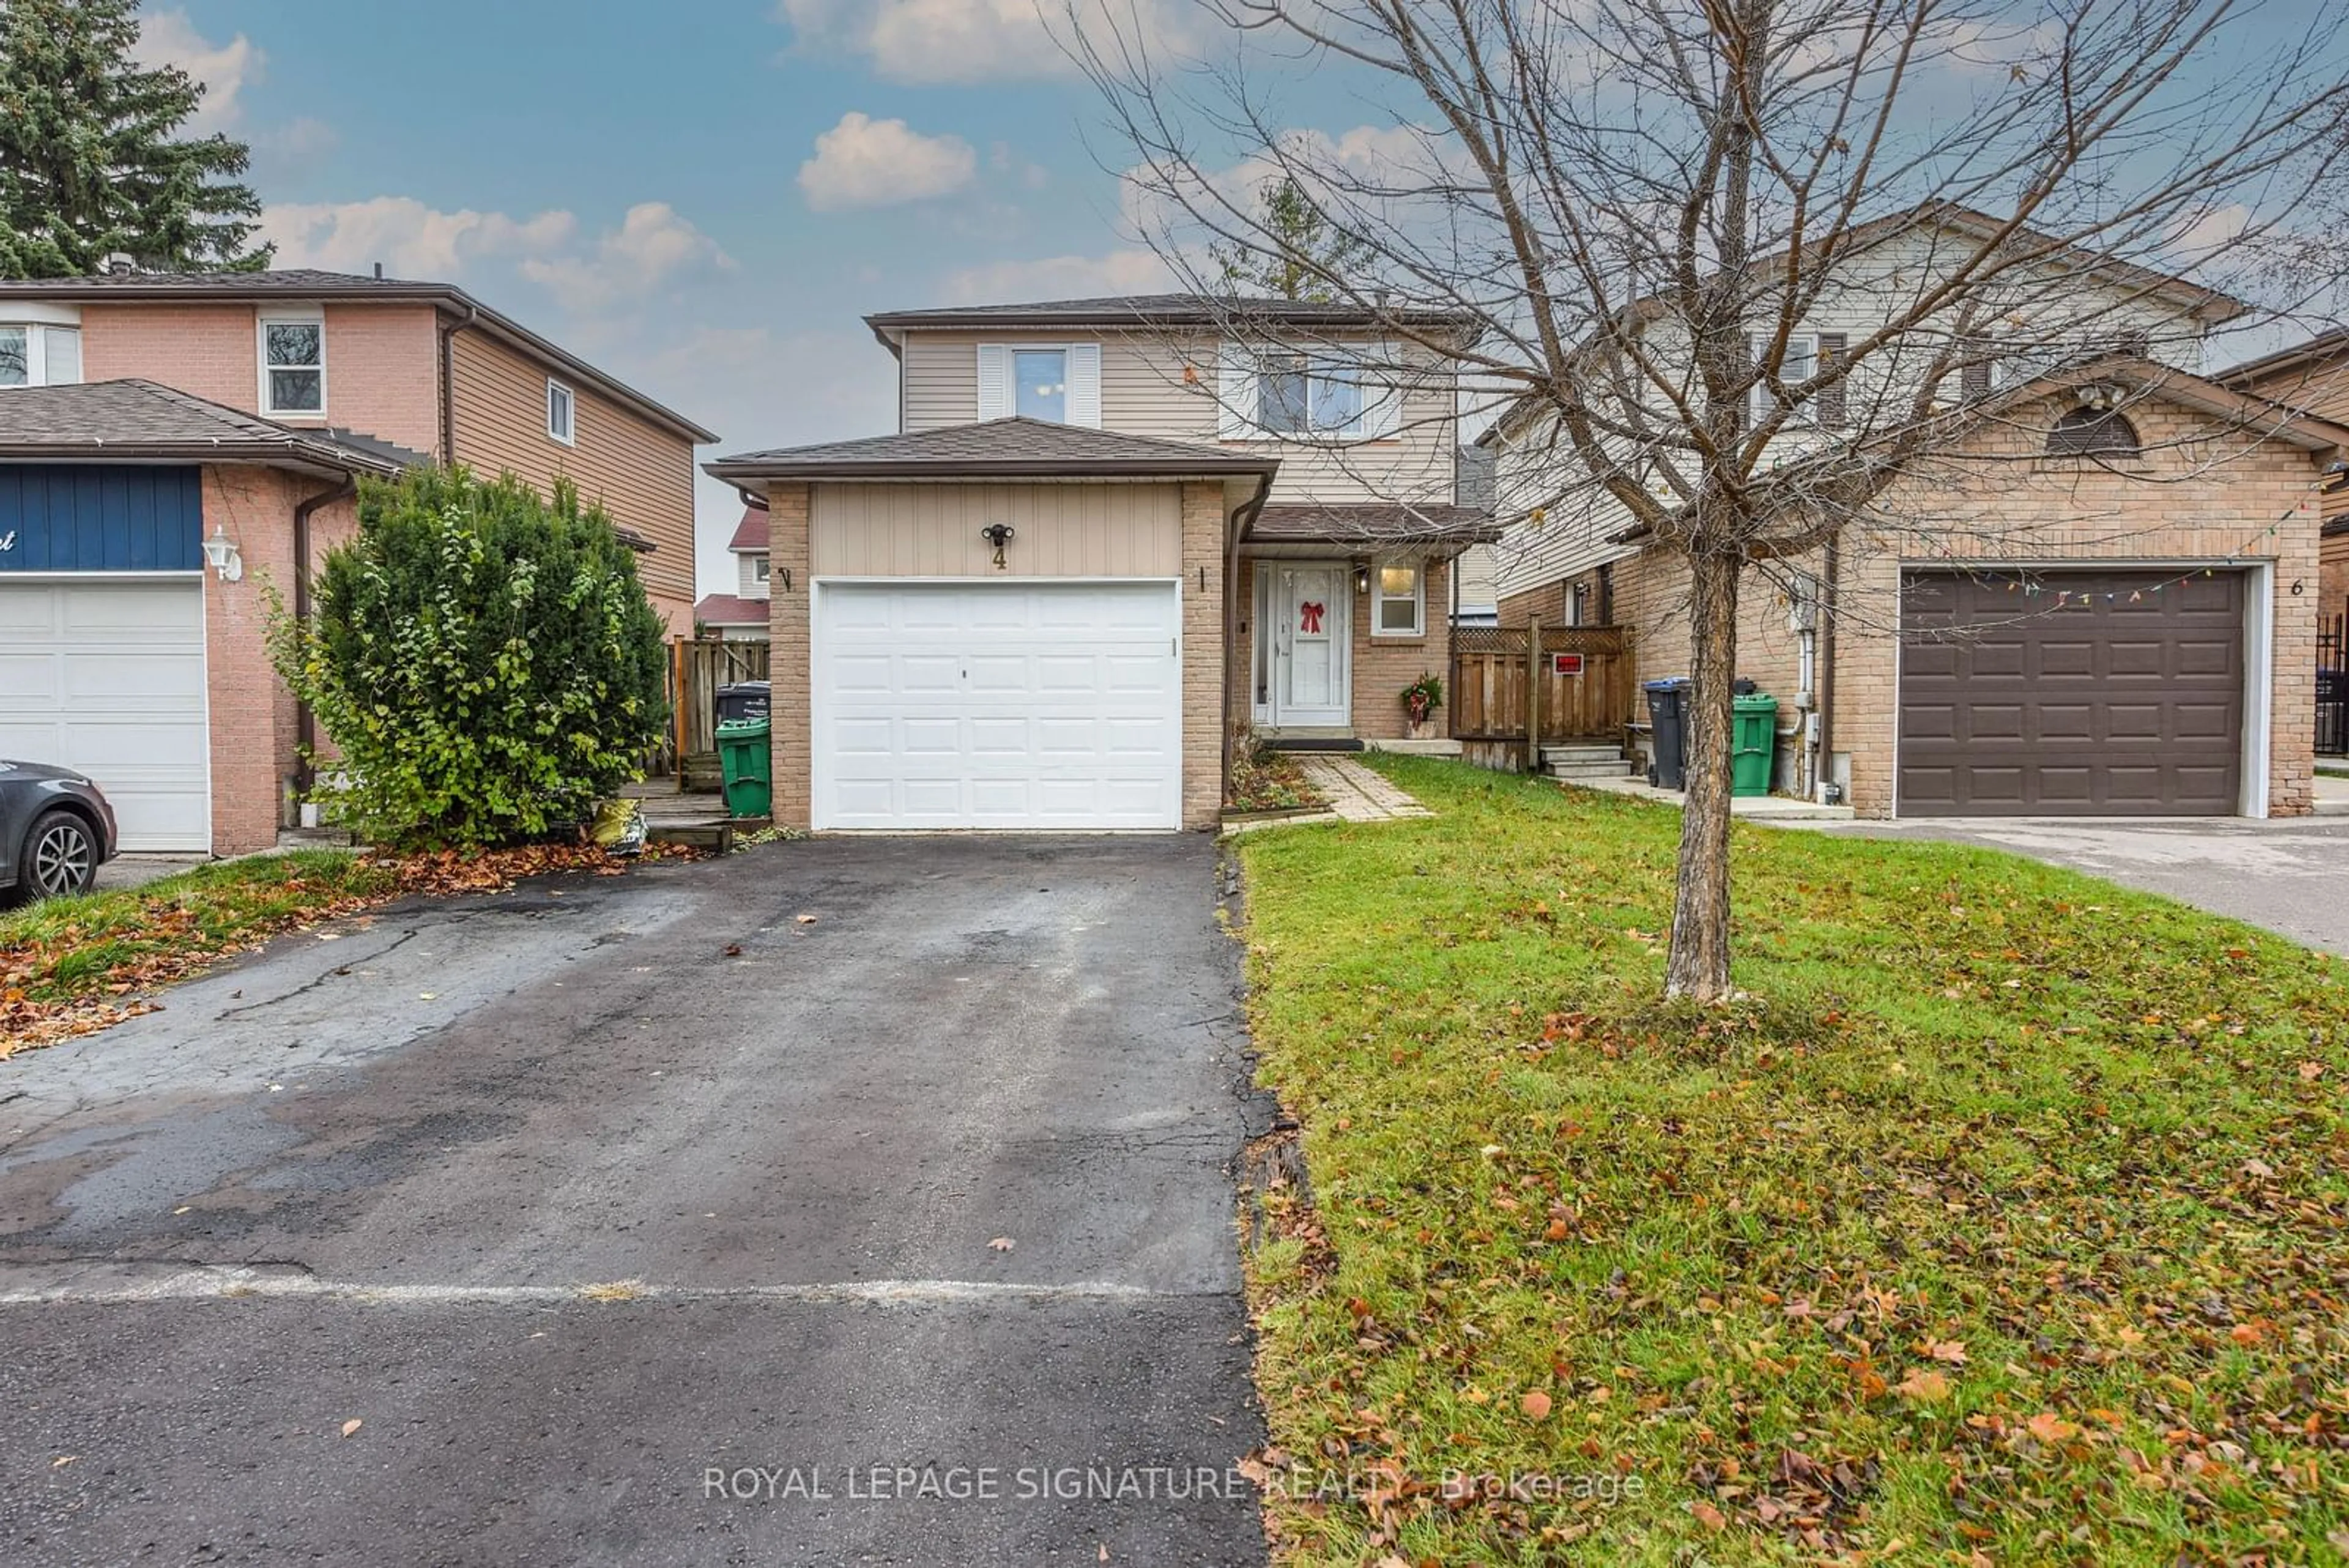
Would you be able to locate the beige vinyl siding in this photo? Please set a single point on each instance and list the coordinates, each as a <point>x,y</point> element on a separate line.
<point>1058,530</point>
<point>642,473</point>
<point>1145,393</point>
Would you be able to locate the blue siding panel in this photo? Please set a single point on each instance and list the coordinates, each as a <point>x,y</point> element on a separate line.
<point>100,518</point>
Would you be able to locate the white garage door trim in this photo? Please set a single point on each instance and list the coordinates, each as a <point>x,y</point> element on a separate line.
<point>127,784</point>
<point>2259,652</point>
<point>1016,792</point>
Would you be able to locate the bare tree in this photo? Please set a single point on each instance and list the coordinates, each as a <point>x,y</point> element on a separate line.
<point>1646,207</point>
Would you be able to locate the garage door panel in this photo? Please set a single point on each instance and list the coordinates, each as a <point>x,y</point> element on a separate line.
<point>1006,705</point>
<point>2131,701</point>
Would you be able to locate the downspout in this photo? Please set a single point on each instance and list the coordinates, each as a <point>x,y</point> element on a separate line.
<point>1241,522</point>
<point>1825,784</point>
<point>448,384</point>
<point>306,722</point>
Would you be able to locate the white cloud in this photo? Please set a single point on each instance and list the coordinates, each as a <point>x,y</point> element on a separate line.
<point>169,38</point>
<point>409,238</point>
<point>1061,277</point>
<point>652,245</point>
<point>868,162</point>
<point>982,40</point>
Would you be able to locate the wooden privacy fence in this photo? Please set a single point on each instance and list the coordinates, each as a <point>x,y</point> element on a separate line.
<point>1585,695</point>
<point>698,667</point>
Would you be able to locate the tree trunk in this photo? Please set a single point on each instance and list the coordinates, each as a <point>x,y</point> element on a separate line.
<point>1699,965</point>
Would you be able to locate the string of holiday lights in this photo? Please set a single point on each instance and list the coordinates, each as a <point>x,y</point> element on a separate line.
<point>2030,585</point>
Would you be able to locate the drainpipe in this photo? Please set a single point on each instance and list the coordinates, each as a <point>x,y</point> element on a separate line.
<point>448,384</point>
<point>1825,785</point>
<point>306,722</point>
<point>1240,522</point>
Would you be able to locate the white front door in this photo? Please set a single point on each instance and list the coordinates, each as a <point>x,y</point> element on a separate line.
<point>997,705</point>
<point>107,678</point>
<point>1308,609</point>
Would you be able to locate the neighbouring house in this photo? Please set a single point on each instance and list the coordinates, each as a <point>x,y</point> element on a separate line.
<point>1107,535</point>
<point>140,527</point>
<point>2312,377</point>
<point>740,615</point>
<point>2103,604</point>
<point>424,366</point>
<point>141,412</point>
<point>1475,576</point>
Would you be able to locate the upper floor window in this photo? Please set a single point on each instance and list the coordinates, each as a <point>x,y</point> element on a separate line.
<point>559,410</point>
<point>1298,394</point>
<point>1057,382</point>
<point>759,568</point>
<point>1328,391</point>
<point>1807,353</point>
<point>33,355</point>
<point>293,365</point>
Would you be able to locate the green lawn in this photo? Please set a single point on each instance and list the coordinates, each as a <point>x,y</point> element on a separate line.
<point>2004,1222</point>
<point>71,965</point>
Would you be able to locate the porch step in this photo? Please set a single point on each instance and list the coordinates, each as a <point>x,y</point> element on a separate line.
<point>1310,743</point>
<point>1592,761</point>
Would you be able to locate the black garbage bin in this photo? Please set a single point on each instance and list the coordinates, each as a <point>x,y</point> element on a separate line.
<point>1667,726</point>
<point>744,700</point>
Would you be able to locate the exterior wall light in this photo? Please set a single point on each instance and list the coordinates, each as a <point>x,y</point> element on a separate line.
<point>997,534</point>
<point>1361,576</point>
<point>224,558</point>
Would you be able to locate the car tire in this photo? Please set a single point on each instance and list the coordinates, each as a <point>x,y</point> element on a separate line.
<point>60,856</point>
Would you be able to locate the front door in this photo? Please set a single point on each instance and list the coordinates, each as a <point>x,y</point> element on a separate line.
<point>1308,608</point>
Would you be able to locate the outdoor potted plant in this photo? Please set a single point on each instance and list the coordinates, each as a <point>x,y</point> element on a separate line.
<point>1418,698</point>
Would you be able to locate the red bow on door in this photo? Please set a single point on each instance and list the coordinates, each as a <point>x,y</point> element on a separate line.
<point>1308,616</point>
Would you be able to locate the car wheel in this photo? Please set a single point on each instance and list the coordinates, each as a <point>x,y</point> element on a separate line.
<point>60,856</point>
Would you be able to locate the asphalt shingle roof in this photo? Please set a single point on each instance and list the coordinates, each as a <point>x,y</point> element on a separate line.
<point>310,283</point>
<point>1374,525</point>
<point>1166,310</point>
<point>1008,446</point>
<point>95,420</point>
<point>730,609</point>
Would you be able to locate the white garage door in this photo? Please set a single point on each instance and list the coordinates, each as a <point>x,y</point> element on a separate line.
<point>107,678</point>
<point>997,705</point>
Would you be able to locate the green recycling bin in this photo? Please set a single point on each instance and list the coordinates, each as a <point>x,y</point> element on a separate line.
<point>1753,749</point>
<point>744,758</point>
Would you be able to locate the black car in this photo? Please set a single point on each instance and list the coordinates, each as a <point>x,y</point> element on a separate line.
<point>55,830</point>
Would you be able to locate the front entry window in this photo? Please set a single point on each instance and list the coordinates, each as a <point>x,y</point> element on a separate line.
<point>1401,598</point>
<point>1039,379</point>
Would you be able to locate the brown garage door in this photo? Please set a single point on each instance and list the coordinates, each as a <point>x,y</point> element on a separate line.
<point>2094,696</point>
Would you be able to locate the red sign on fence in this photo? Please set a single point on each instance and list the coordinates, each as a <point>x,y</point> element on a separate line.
<point>1566,664</point>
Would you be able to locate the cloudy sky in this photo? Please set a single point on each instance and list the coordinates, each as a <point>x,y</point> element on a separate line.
<point>703,198</point>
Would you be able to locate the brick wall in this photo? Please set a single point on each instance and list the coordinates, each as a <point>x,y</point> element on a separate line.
<point>1204,526</point>
<point>382,360</point>
<point>255,721</point>
<point>788,654</point>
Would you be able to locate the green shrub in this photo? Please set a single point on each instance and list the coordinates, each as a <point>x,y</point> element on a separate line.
<point>485,661</point>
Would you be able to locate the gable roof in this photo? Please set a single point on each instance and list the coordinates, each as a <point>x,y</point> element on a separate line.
<point>1147,310</point>
<point>2272,420</point>
<point>2312,354</point>
<point>750,533</point>
<point>132,420</point>
<point>310,284</point>
<point>1008,447</point>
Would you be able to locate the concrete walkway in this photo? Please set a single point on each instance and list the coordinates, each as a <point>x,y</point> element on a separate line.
<point>1356,793</point>
<point>1745,807</point>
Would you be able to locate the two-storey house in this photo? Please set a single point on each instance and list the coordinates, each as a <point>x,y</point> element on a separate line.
<point>740,615</point>
<point>1108,535</point>
<point>174,447</point>
<point>2096,599</point>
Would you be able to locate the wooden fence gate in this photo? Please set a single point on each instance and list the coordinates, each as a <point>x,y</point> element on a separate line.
<point>1578,689</point>
<point>698,667</point>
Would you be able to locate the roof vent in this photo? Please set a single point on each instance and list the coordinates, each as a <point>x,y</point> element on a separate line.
<point>122,264</point>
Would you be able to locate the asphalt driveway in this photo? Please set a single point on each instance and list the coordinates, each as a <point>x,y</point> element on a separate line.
<point>2286,875</point>
<point>638,1220</point>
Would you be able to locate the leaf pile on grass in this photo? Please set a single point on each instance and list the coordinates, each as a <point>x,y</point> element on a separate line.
<point>69,967</point>
<point>2009,1222</point>
<point>1268,781</point>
